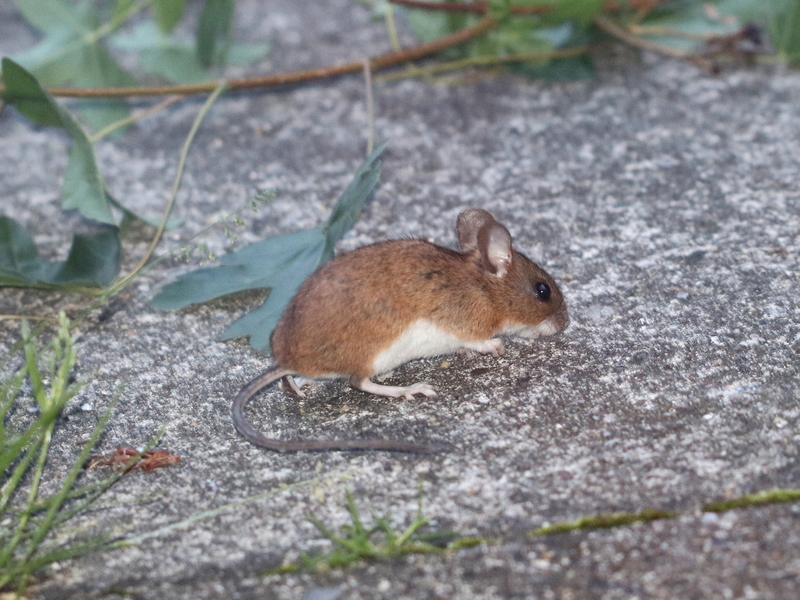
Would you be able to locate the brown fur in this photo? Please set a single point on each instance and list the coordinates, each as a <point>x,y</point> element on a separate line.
<point>358,305</point>
<point>354,307</point>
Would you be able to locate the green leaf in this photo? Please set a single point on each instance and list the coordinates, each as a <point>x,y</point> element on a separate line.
<point>121,7</point>
<point>280,263</point>
<point>517,36</point>
<point>93,260</point>
<point>259,323</point>
<point>256,266</point>
<point>428,25</point>
<point>24,92</point>
<point>214,25</point>
<point>54,16</point>
<point>162,55</point>
<point>691,19</point>
<point>83,187</point>
<point>54,60</point>
<point>242,53</point>
<point>784,28</point>
<point>167,13</point>
<point>175,59</point>
<point>100,69</point>
<point>582,11</point>
<point>71,53</point>
<point>576,68</point>
<point>344,214</point>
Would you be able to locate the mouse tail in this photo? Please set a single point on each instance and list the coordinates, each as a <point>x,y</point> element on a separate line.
<point>259,439</point>
<point>241,423</point>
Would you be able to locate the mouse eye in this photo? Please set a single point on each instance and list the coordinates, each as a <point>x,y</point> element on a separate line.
<point>542,291</point>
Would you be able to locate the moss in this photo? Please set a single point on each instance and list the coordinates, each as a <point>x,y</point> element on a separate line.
<point>775,496</point>
<point>619,519</point>
<point>605,521</point>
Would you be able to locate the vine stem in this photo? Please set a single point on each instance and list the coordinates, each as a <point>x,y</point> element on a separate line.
<point>220,88</point>
<point>482,61</point>
<point>480,7</point>
<point>133,118</point>
<point>370,107</point>
<point>384,61</point>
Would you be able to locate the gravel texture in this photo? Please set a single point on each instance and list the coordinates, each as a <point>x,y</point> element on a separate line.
<point>663,200</point>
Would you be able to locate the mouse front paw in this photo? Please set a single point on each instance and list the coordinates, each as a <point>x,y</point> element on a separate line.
<point>493,346</point>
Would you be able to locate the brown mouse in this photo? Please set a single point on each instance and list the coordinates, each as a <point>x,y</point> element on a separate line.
<point>379,306</point>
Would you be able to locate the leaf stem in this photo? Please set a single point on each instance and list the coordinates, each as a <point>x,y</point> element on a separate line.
<point>221,87</point>
<point>483,61</point>
<point>539,9</point>
<point>133,118</point>
<point>370,107</point>
<point>116,21</point>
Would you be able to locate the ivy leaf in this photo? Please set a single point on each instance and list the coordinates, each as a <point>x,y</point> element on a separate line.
<point>259,323</point>
<point>83,187</point>
<point>214,25</point>
<point>783,25</point>
<point>71,53</point>
<point>243,53</point>
<point>163,55</point>
<point>100,69</point>
<point>53,16</point>
<point>175,59</point>
<point>280,263</point>
<point>167,13</point>
<point>253,267</point>
<point>692,19</point>
<point>93,259</point>
<point>581,11</point>
<point>575,68</point>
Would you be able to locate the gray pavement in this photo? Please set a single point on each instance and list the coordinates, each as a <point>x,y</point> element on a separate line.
<point>663,200</point>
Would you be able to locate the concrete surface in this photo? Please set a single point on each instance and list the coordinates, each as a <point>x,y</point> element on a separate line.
<point>664,201</point>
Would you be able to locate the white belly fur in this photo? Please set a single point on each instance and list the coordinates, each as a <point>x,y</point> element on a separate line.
<point>421,338</point>
<point>546,327</point>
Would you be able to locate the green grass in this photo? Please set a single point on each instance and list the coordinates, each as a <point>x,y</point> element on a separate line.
<point>381,541</point>
<point>29,519</point>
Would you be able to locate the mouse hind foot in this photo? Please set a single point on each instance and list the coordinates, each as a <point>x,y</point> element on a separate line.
<point>295,384</point>
<point>392,391</point>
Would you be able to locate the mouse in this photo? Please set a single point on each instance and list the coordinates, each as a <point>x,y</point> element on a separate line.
<point>379,306</point>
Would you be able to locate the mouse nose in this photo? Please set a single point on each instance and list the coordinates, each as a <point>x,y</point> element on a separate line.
<point>560,318</point>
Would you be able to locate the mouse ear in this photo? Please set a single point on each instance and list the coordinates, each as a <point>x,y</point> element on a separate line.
<point>479,232</point>
<point>468,224</point>
<point>494,243</point>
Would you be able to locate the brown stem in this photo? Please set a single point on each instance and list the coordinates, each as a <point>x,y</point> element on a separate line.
<point>472,7</point>
<point>381,62</point>
<point>480,7</point>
